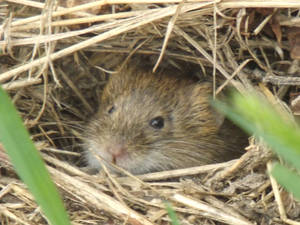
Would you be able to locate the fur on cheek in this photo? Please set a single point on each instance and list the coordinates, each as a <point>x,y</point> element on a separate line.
<point>92,154</point>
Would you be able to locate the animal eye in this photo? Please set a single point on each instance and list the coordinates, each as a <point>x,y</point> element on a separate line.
<point>111,110</point>
<point>157,122</point>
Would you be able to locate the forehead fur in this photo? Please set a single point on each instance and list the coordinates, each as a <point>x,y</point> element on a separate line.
<point>164,86</point>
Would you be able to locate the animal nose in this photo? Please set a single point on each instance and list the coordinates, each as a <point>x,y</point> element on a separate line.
<point>117,152</point>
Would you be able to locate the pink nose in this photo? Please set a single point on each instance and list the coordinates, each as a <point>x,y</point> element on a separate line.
<point>117,152</point>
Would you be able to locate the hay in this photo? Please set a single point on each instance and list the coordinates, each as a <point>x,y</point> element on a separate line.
<point>53,64</point>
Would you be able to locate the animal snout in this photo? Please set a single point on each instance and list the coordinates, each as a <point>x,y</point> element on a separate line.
<point>117,152</point>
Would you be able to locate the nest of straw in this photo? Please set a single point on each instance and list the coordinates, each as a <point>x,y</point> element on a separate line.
<point>54,64</point>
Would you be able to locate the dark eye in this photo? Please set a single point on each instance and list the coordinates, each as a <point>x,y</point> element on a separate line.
<point>111,110</point>
<point>157,122</point>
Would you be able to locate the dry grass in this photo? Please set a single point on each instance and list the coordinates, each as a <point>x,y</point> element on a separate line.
<point>53,63</point>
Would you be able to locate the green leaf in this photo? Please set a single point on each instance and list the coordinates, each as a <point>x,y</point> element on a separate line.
<point>28,163</point>
<point>257,117</point>
<point>287,179</point>
<point>172,214</point>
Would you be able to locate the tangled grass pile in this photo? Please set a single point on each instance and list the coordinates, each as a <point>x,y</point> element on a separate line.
<point>55,58</point>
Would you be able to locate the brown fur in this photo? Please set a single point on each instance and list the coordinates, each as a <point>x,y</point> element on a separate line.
<point>192,134</point>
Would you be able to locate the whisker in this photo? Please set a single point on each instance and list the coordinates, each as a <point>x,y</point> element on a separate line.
<point>61,151</point>
<point>69,124</point>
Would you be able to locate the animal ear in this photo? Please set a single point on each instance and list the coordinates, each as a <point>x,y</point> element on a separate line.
<point>219,118</point>
<point>205,90</point>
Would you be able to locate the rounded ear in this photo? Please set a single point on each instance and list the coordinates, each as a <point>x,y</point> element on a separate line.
<point>205,89</point>
<point>219,119</point>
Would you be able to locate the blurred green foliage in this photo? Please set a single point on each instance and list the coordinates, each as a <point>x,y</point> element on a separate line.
<point>256,116</point>
<point>171,214</point>
<point>28,163</point>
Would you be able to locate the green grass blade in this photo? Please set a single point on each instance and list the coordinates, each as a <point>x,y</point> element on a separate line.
<point>172,214</point>
<point>287,179</point>
<point>28,163</point>
<point>258,117</point>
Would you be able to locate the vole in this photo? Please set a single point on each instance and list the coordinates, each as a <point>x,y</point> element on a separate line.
<point>152,122</point>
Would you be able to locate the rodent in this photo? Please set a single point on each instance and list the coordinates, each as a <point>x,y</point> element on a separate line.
<point>152,122</point>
